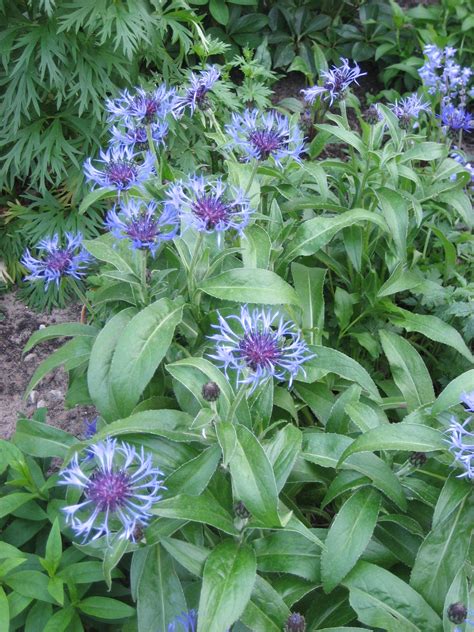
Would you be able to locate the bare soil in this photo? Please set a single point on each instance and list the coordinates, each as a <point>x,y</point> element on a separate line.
<point>17,323</point>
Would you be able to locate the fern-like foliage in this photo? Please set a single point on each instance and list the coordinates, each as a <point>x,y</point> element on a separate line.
<point>59,60</point>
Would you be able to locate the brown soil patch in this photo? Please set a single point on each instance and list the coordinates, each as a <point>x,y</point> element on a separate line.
<point>17,323</point>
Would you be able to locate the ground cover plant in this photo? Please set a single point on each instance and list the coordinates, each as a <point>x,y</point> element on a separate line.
<point>275,336</point>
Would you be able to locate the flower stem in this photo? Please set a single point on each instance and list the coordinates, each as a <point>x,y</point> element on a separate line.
<point>152,147</point>
<point>192,267</point>
<point>252,178</point>
<point>82,297</point>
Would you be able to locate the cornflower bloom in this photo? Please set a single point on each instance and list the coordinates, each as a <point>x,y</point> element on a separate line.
<point>467,400</point>
<point>121,168</point>
<point>261,348</point>
<point>141,108</point>
<point>90,428</point>
<point>456,118</point>
<point>336,81</point>
<point>185,622</point>
<point>457,613</point>
<point>209,206</point>
<point>142,224</point>
<point>55,261</point>
<point>295,623</point>
<point>195,95</point>
<point>461,444</point>
<point>136,137</point>
<point>409,108</point>
<point>259,136</point>
<point>119,486</point>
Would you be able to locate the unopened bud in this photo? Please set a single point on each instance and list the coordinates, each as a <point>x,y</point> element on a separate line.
<point>417,459</point>
<point>211,391</point>
<point>295,623</point>
<point>457,612</point>
<point>241,511</point>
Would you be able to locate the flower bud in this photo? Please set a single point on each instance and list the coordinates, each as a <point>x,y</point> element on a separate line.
<point>241,511</point>
<point>417,459</point>
<point>211,391</point>
<point>295,623</point>
<point>457,612</point>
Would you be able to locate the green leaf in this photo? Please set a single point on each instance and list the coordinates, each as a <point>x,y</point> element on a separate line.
<point>204,509</point>
<point>114,552</point>
<point>309,285</point>
<point>72,353</point>
<point>444,550</point>
<point>106,248</point>
<point>432,327</point>
<point>160,595</point>
<point>451,496</point>
<point>326,449</point>
<point>11,502</point>
<point>140,349</point>
<point>408,369</point>
<point>332,361</point>
<point>402,436</point>
<point>32,584</point>
<point>105,608</point>
<point>57,331</point>
<point>228,579</point>
<point>98,373</point>
<point>42,440</point>
<point>95,196</point>
<point>266,611</point>
<point>450,396</point>
<point>190,556</point>
<point>246,285</point>
<point>384,601</point>
<point>162,423</point>
<point>348,536</point>
<point>314,234</point>
<point>253,480</point>
<point>4,611</point>
<point>256,248</point>
<point>194,476</point>
<point>425,151</point>
<point>54,548</point>
<point>225,431</point>
<point>395,210</point>
<point>343,134</point>
<point>288,552</point>
<point>282,452</point>
<point>61,620</point>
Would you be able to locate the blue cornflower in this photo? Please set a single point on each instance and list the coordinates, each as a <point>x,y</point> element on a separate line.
<point>336,82</point>
<point>142,223</point>
<point>456,118</point>
<point>261,348</point>
<point>141,108</point>
<point>119,486</point>
<point>467,400</point>
<point>409,108</point>
<point>56,261</point>
<point>209,205</point>
<point>461,444</point>
<point>185,622</point>
<point>257,135</point>
<point>136,137</point>
<point>195,95</point>
<point>121,168</point>
<point>90,427</point>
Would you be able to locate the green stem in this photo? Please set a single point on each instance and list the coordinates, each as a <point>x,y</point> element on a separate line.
<point>82,297</point>
<point>193,264</point>
<point>143,271</point>
<point>152,147</point>
<point>216,126</point>
<point>252,178</point>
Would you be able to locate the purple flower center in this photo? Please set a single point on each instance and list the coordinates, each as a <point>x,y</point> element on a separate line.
<point>151,108</point>
<point>143,229</point>
<point>109,490</point>
<point>211,209</point>
<point>59,261</point>
<point>266,141</point>
<point>259,350</point>
<point>121,174</point>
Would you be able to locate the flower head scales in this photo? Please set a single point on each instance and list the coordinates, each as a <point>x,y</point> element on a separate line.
<point>195,95</point>
<point>209,205</point>
<point>259,136</point>
<point>121,169</point>
<point>336,81</point>
<point>56,261</point>
<point>262,346</point>
<point>119,486</point>
<point>142,223</point>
